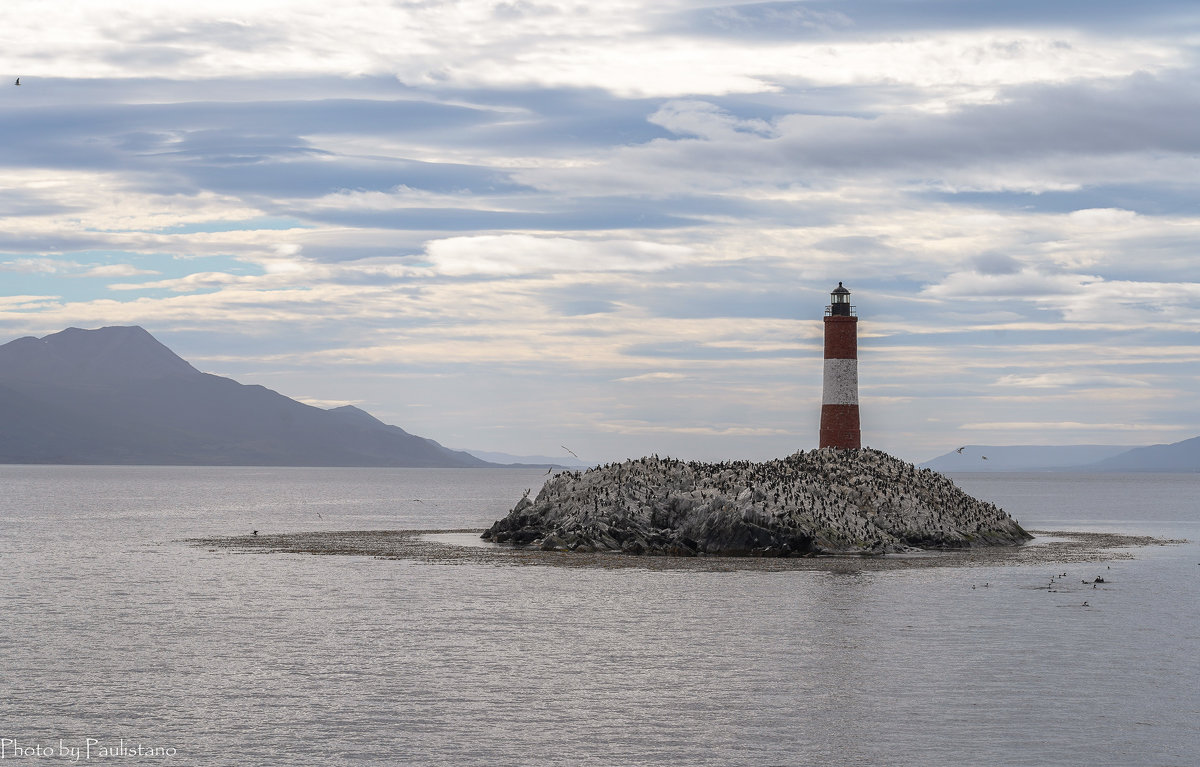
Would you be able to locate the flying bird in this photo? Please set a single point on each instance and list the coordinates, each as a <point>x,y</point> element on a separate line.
<point>569,450</point>
<point>984,457</point>
<point>18,82</point>
<point>964,447</point>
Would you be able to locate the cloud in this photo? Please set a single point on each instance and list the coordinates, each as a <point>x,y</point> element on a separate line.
<point>116,270</point>
<point>1067,380</point>
<point>27,303</point>
<point>704,120</point>
<point>1030,139</point>
<point>40,265</point>
<point>188,284</point>
<point>623,213</point>
<point>1024,284</point>
<point>839,19</point>
<point>326,404</point>
<point>643,427</point>
<point>1066,426</point>
<point>623,47</point>
<point>515,254</point>
<point>771,20</point>
<point>651,377</point>
<point>996,264</point>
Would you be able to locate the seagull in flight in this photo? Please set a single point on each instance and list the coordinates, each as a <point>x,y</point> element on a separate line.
<point>569,450</point>
<point>964,447</point>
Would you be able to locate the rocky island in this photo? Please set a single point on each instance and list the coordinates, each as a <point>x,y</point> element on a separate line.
<point>826,501</point>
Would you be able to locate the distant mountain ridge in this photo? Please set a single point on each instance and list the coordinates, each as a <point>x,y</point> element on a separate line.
<point>1181,456</point>
<point>531,460</point>
<point>107,355</point>
<point>116,395</point>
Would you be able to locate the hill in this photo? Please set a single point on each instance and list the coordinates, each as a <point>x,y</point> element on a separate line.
<point>1181,456</point>
<point>117,396</point>
<point>1023,457</point>
<point>543,461</point>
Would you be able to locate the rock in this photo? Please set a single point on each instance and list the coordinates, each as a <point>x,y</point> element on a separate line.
<point>817,502</point>
<point>554,542</point>
<point>526,535</point>
<point>633,546</point>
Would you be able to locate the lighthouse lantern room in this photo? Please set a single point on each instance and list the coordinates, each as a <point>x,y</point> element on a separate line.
<point>839,302</point>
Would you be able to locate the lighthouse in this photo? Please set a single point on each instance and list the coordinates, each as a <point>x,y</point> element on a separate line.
<point>839,394</point>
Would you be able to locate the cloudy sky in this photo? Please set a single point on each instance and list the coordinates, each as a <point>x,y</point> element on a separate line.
<point>614,226</point>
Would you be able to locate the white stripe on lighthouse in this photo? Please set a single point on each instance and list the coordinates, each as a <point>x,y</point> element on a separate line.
<point>841,383</point>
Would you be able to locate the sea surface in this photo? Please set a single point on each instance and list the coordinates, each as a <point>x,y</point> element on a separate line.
<point>117,635</point>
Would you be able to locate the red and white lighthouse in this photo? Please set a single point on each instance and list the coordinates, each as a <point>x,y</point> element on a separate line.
<point>839,394</point>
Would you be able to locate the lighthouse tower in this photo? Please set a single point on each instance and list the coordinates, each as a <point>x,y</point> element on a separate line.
<point>839,395</point>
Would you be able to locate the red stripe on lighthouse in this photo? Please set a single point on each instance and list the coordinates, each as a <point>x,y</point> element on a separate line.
<point>840,427</point>
<point>841,338</point>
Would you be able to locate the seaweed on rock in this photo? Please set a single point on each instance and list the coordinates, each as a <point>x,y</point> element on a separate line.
<point>825,501</point>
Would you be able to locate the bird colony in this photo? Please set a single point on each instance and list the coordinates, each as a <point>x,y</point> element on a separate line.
<point>826,501</point>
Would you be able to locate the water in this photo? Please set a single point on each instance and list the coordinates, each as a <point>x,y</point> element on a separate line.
<point>113,629</point>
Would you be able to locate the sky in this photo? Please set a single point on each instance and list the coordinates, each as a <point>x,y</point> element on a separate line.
<point>539,225</point>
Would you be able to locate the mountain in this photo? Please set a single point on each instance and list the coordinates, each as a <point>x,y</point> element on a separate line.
<point>118,396</point>
<point>1023,457</point>
<point>565,462</point>
<point>1176,457</point>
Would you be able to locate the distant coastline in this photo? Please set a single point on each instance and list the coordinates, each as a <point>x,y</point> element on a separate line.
<point>1183,456</point>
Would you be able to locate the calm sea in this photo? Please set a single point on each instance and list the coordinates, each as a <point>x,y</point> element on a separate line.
<point>115,636</point>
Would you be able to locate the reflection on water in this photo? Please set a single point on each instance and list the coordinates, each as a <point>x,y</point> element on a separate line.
<point>113,628</point>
